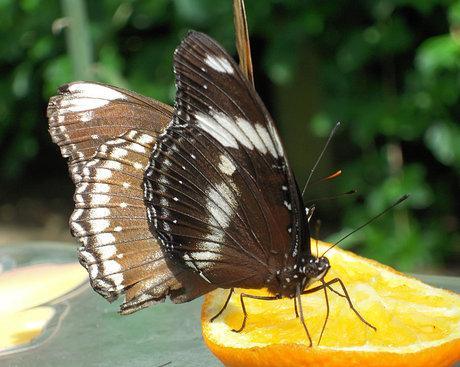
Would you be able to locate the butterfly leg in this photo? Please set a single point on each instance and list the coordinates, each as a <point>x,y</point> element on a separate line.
<point>243,307</point>
<point>336,292</point>
<point>345,295</point>
<point>295,308</point>
<point>323,286</point>
<point>224,306</point>
<point>302,320</point>
<point>327,312</point>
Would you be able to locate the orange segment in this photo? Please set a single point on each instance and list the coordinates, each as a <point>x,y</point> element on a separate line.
<point>417,325</point>
<point>24,291</point>
<point>23,326</point>
<point>34,285</point>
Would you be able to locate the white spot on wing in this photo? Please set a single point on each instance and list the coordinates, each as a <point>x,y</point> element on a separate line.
<point>226,166</point>
<point>145,139</point>
<point>220,203</point>
<point>101,188</point>
<point>99,225</point>
<point>204,277</point>
<point>219,64</point>
<point>116,141</point>
<point>74,104</point>
<point>118,152</point>
<point>91,90</point>
<point>112,165</point>
<point>110,267</point>
<point>117,279</point>
<point>210,126</point>
<point>277,141</point>
<point>88,257</point>
<point>99,212</point>
<point>263,133</point>
<point>101,173</point>
<point>93,271</point>
<point>248,129</point>
<point>138,166</point>
<point>104,239</point>
<point>86,116</point>
<point>77,228</point>
<point>230,126</point>
<point>99,199</point>
<point>77,213</point>
<point>105,252</point>
<point>81,187</point>
<point>205,256</point>
<point>136,148</point>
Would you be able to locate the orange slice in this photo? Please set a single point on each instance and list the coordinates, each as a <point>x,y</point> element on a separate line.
<point>417,325</point>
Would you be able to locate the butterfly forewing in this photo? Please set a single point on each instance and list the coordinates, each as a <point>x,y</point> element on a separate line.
<point>220,192</point>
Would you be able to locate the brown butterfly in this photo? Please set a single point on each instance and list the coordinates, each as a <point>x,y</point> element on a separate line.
<point>178,202</point>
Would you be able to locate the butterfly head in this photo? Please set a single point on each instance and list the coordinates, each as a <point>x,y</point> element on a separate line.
<point>307,271</point>
<point>316,269</point>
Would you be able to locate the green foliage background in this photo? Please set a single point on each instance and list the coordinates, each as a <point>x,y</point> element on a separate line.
<point>389,70</point>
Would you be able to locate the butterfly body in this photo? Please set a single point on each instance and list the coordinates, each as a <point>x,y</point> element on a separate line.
<point>292,280</point>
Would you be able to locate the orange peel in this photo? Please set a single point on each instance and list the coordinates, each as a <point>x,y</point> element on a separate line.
<point>417,325</point>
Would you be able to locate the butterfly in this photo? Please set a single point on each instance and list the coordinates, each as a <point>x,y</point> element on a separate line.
<point>176,202</point>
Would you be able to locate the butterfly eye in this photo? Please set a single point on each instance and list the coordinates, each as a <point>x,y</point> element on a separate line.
<point>323,264</point>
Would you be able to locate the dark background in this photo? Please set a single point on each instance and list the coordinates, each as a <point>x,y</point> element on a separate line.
<point>388,70</point>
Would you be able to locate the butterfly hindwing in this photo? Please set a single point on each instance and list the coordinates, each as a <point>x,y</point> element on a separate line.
<point>220,192</point>
<point>95,126</point>
<point>85,114</point>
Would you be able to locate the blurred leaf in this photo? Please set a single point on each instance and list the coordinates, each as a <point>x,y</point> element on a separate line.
<point>21,80</point>
<point>454,14</point>
<point>30,5</point>
<point>443,140</point>
<point>321,125</point>
<point>438,53</point>
<point>57,72</point>
<point>192,11</point>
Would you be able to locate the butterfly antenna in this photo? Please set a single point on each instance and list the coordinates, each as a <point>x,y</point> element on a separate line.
<point>320,156</point>
<point>317,228</point>
<point>328,178</point>
<point>351,192</point>
<point>399,201</point>
<point>242,39</point>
